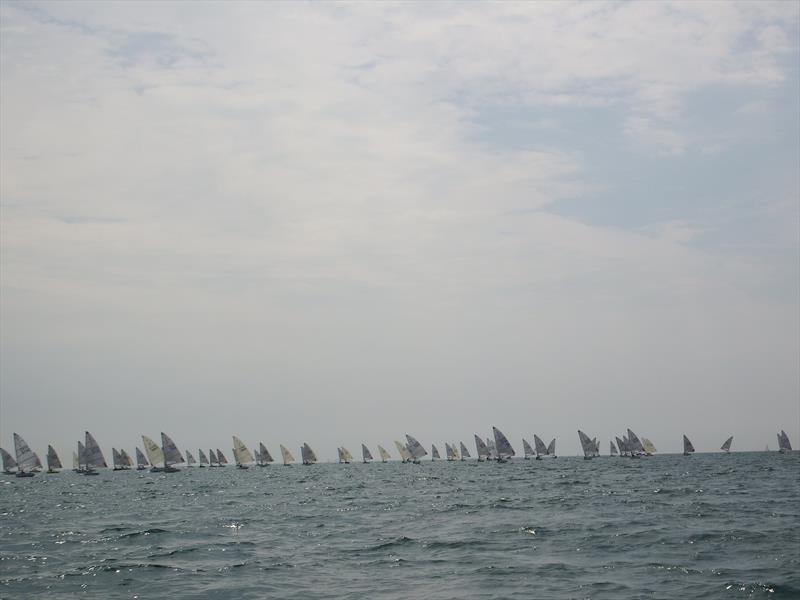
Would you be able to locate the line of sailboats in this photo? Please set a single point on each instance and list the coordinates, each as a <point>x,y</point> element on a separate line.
<point>163,458</point>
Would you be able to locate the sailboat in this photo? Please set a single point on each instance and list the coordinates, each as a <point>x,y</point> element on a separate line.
<point>448,452</point>
<point>264,457</point>
<point>481,448</point>
<point>402,450</point>
<point>649,448</point>
<point>541,449</point>
<point>527,450</point>
<point>435,453</point>
<point>726,445</point>
<point>346,456</point>
<point>503,446</point>
<point>612,449</point>
<point>76,465</point>
<point>307,454</point>
<point>8,462</point>
<point>492,449</point>
<point>464,452</point>
<point>141,460</point>
<point>127,461</point>
<point>241,454</point>
<point>384,454</point>
<point>190,461</point>
<point>621,446</point>
<point>82,468</point>
<point>25,457</point>
<point>288,459</point>
<point>587,445</point>
<point>202,459</point>
<point>551,448</point>
<point>171,454</point>
<point>221,460</point>
<point>116,459</point>
<point>53,462</point>
<point>154,454</point>
<point>783,443</point>
<point>634,445</point>
<point>688,448</point>
<point>366,455</point>
<point>455,451</point>
<point>212,459</point>
<point>92,455</point>
<point>416,449</point>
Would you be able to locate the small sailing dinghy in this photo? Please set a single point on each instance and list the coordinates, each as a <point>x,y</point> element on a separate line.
<point>726,445</point>
<point>154,454</point>
<point>221,460</point>
<point>288,459</point>
<point>551,448</point>
<point>307,454</point>
<point>612,451</point>
<point>464,452</point>
<point>688,448</point>
<point>527,450</point>
<point>649,448</point>
<point>502,445</point>
<point>481,448</point>
<point>241,454</point>
<point>345,456</point>
<point>402,450</point>
<point>383,453</point>
<point>116,460</point>
<point>448,452</point>
<point>634,445</point>
<point>127,461</point>
<point>492,449</point>
<point>212,459</point>
<point>9,463</point>
<point>190,461</point>
<point>53,462</point>
<point>366,455</point>
<point>621,446</point>
<point>172,455</point>
<point>76,464</point>
<point>435,453</point>
<point>587,445</point>
<point>27,459</point>
<point>783,443</point>
<point>92,456</point>
<point>141,460</point>
<point>416,449</point>
<point>202,459</point>
<point>541,449</point>
<point>264,457</point>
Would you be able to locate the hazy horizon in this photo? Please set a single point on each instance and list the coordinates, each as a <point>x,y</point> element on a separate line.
<point>340,223</point>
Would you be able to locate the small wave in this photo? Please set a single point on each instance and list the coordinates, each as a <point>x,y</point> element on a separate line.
<point>151,531</point>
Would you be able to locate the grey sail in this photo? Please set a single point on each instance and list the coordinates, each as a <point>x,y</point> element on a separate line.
<point>504,449</point>
<point>726,446</point>
<point>612,449</point>
<point>53,462</point>
<point>75,462</point>
<point>341,455</point>
<point>688,448</point>
<point>126,458</point>
<point>539,444</point>
<point>635,444</point>
<point>8,461</point>
<point>81,455</point>
<point>116,459</point>
<point>596,447</point>
<point>586,444</point>
<point>526,449</point>
<point>481,448</point>
<point>366,455</point>
<point>621,446</point>
<point>212,458</point>
<point>434,452</point>
<point>221,458</point>
<point>783,442</point>
<point>415,448</point>
<point>202,458</point>
<point>171,453</point>
<point>403,451</point>
<point>94,456</point>
<point>190,459</point>
<point>266,457</point>
<point>551,448</point>
<point>307,454</point>
<point>448,452</point>
<point>464,451</point>
<point>492,448</point>
<point>25,457</point>
<point>141,459</point>
<point>348,458</point>
<point>383,453</point>
<point>286,455</point>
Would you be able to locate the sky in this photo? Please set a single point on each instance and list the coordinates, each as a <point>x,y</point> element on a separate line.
<point>342,222</point>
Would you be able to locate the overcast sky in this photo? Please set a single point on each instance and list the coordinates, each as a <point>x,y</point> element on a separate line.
<point>336,223</point>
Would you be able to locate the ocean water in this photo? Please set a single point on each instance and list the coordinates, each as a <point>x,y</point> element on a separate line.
<point>711,526</point>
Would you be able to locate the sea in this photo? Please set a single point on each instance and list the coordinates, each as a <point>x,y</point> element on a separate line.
<point>667,526</point>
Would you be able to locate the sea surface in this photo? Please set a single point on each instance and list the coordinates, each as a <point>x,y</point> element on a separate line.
<point>705,526</point>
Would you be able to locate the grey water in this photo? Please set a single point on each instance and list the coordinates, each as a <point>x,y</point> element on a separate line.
<point>709,525</point>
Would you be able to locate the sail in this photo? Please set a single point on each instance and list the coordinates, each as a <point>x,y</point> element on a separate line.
<point>448,451</point>
<point>688,448</point>
<point>221,458</point>
<point>154,453</point>
<point>526,448</point>
<point>384,454</point>
<point>621,446</point>
<point>726,446</point>
<point>287,456</point>
<point>649,448</point>
<point>75,462</point>
<point>190,459</point>
<point>116,459</point>
<point>540,447</point>
<point>9,462</point>
<point>93,454</point>
<point>596,447</point>
<point>307,454</point>
<point>455,451</point>
<point>265,455</point>
<point>141,459</point>
<point>201,457</point>
<point>586,444</point>
<point>634,444</point>
<point>366,455</point>
<point>241,454</point>
<point>783,442</point>
<point>502,444</point>
<point>346,454</point>
<point>492,448</point>
<point>126,458</point>
<point>341,454</point>
<point>171,453</point>
<point>464,451</point>
<point>481,447</point>
<point>26,458</point>
<point>612,448</point>
<point>434,452</point>
<point>81,454</point>
<point>53,462</point>
<point>416,449</point>
<point>405,455</point>
<point>212,457</point>
<point>551,448</point>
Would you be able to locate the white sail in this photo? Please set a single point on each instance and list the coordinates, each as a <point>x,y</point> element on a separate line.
<point>81,454</point>
<point>307,454</point>
<point>649,448</point>
<point>141,459</point>
<point>688,448</point>
<point>366,455</point>
<point>634,444</point>
<point>783,442</point>
<point>287,456</point>
<point>434,452</point>
<point>539,444</point>
<point>241,454</point>
<point>726,446</point>
<point>341,455</point>
<point>551,449</point>
<point>596,447</point>
<point>8,461</point>
<point>26,458</point>
<point>154,453</point>
<point>265,455</point>
<point>384,454</point>
<point>526,449</point>
<point>492,448</point>
<point>221,458</point>
<point>405,455</point>
<point>75,462</point>
<point>586,444</point>
<point>171,453</point>
<point>126,458</point>
<point>212,457</point>
<point>482,448</point>
<point>116,458</point>
<point>464,451</point>
<point>346,454</point>
<point>502,444</point>
<point>612,448</point>
<point>455,451</point>
<point>190,459</point>
<point>416,449</point>
<point>93,454</point>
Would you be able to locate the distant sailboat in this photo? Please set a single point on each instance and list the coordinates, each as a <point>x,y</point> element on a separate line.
<point>541,449</point>
<point>212,459</point>
<point>783,443</point>
<point>688,448</point>
<point>154,454</point>
<point>366,455</point>
<point>726,445</point>
<point>402,450</point>
<point>612,449</point>
<point>141,460</point>
<point>116,460</point>
<point>202,459</point>
<point>464,452</point>
<point>221,460</point>
<point>634,445</point>
<point>241,454</point>
<point>92,456</point>
<point>527,450</point>
<point>127,461</point>
<point>649,448</point>
<point>383,453</point>
<point>76,465</point>
<point>288,459</point>
<point>8,462</point>
<point>435,453</point>
<point>264,457</point>
<point>621,446</point>
<point>482,449</point>
<point>172,455</point>
<point>346,457</point>
<point>456,454</point>
<point>307,454</point>
<point>27,459</point>
<point>503,446</point>
<point>416,449</point>
<point>587,445</point>
<point>551,448</point>
<point>190,461</point>
<point>492,449</point>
